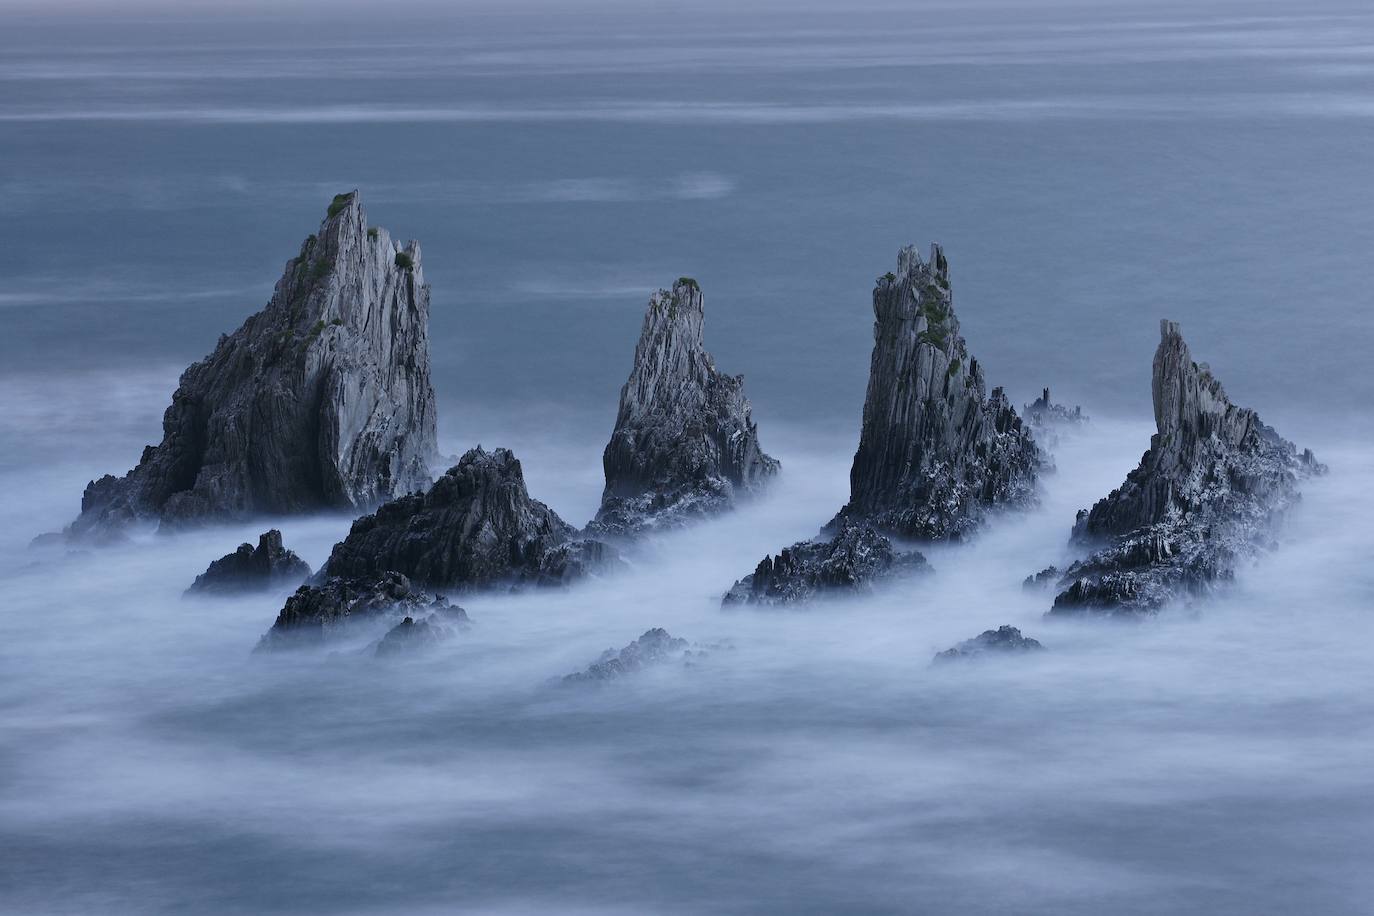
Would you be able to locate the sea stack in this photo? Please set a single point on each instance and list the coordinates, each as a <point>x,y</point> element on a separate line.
<point>935,452</point>
<point>322,400</point>
<point>685,445</point>
<point>1206,496</point>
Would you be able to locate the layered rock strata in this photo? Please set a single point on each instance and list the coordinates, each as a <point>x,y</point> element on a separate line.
<point>685,444</point>
<point>935,452</point>
<point>322,400</point>
<point>1206,496</point>
<point>855,560</point>
<point>248,569</point>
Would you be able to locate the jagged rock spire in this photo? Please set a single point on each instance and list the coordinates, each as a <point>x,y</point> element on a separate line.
<point>1207,494</point>
<point>685,444</point>
<point>935,452</point>
<point>321,400</point>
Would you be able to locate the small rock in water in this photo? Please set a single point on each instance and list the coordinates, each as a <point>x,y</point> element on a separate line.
<point>655,647</point>
<point>854,561</point>
<point>317,613</point>
<point>1004,639</point>
<point>248,569</point>
<point>411,635</point>
<point>1043,579</point>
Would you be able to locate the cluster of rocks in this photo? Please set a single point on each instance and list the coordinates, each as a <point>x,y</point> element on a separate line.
<point>1048,420</point>
<point>250,569</point>
<point>1207,495</point>
<point>685,445</point>
<point>322,400</point>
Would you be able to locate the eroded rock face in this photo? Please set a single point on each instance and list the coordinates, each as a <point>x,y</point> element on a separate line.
<point>855,561</point>
<point>248,569</point>
<point>655,647</point>
<point>935,452</point>
<point>1208,494</point>
<point>685,445</point>
<point>317,613</point>
<point>476,528</point>
<point>322,400</point>
<point>1003,640</point>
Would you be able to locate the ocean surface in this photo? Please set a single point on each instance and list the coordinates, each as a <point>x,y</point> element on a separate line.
<point>1088,168</point>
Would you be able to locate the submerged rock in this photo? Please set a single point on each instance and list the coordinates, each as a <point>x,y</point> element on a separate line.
<point>269,565</point>
<point>655,647</point>
<point>855,561</point>
<point>685,445</point>
<point>322,400</point>
<point>935,452</point>
<point>1043,579</point>
<point>1207,495</point>
<point>477,527</point>
<point>411,635</point>
<point>1004,639</point>
<point>318,612</point>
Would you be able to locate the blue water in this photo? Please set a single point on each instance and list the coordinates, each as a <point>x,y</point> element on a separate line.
<point>1089,168</point>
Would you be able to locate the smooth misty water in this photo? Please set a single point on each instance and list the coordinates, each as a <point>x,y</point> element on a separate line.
<point>1089,170</point>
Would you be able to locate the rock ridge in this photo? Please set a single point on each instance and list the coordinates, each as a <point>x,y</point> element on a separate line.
<point>269,565</point>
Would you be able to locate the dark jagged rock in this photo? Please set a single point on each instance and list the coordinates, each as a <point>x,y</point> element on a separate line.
<point>1044,412</point>
<point>935,453</point>
<point>1043,579</point>
<point>269,565</point>
<point>577,559</point>
<point>411,635</point>
<point>1004,639</point>
<point>856,560</point>
<point>317,612</point>
<point>477,527</point>
<point>684,445</point>
<point>321,400</point>
<point>1208,494</point>
<point>655,647</point>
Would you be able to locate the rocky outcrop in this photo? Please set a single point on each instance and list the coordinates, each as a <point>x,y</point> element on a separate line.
<point>322,400</point>
<point>476,528</point>
<point>656,647</point>
<point>684,445</point>
<point>1003,640</point>
<point>1207,495</point>
<point>248,569</point>
<point>854,561</point>
<point>935,452</point>
<point>319,612</point>
<point>1044,579</point>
